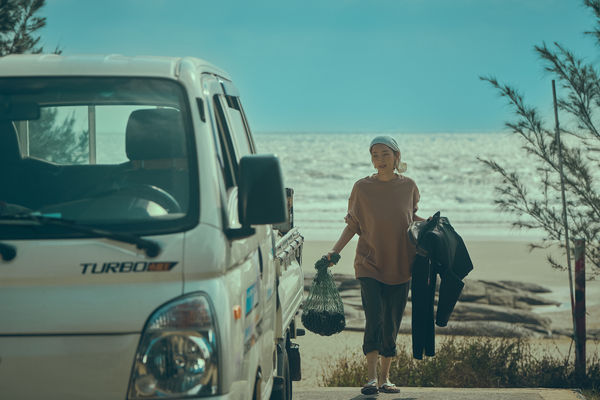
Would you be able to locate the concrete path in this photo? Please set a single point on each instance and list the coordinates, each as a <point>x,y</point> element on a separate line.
<point>412,393</point>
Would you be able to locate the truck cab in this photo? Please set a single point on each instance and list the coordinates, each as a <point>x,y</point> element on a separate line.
<point>138,253</point>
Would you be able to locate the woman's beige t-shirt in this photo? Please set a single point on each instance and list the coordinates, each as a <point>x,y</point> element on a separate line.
<point>380,213</point>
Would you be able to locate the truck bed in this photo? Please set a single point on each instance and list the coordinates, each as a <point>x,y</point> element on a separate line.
<point>288,261</point>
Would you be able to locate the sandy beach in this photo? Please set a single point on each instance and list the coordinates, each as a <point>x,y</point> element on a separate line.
<point>493,260</point>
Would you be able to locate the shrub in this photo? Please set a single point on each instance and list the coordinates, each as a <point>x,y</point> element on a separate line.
<point>473,362</point>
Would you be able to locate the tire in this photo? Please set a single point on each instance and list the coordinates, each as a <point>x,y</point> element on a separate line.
<point>287,378</point>
<point>282,388</point>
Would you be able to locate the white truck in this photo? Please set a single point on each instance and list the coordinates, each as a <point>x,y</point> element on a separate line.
<point>140,256</point>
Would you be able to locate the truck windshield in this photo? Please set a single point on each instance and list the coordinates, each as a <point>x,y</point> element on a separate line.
<point>111,152</point>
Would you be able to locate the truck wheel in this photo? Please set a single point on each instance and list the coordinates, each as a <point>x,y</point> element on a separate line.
<point>282,387</point>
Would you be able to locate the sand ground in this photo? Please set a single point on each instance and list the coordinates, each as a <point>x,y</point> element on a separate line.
<point>493,260</point>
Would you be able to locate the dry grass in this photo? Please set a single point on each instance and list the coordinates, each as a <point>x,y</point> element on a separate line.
<point>475,362</point>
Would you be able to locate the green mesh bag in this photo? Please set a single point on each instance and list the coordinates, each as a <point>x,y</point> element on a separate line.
<point>323,310</point>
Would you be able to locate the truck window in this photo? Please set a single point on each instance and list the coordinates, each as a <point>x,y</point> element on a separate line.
<point>239,128</point>
<point>234,135</point>
<point>245,121</point>
<point>104,151</point>
<point>225,140</point>
<point>78,135</point>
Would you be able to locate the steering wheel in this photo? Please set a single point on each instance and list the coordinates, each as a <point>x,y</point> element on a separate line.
<point>11,209</point>
<point>152,193</point>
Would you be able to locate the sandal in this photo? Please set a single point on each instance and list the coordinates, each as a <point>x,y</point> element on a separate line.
<point>389,388</point>
<point>369,387</point>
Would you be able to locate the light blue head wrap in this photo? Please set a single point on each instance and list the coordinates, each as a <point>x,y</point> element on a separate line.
<point>391,143</point>
<point>387,140</point>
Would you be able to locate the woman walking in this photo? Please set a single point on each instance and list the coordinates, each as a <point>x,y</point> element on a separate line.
<point>380,210</point>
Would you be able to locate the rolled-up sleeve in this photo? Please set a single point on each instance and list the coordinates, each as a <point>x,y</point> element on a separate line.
<point>352,217</point>
<point>416,197</point>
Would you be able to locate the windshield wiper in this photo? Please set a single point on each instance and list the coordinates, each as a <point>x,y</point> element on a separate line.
<point>7,252</point>
<point>150,247</point>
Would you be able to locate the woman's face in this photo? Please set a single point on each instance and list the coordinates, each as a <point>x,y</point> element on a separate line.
<point>383,158</point>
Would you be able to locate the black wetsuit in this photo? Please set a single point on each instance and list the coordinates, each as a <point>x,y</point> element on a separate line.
<point>447,256</point>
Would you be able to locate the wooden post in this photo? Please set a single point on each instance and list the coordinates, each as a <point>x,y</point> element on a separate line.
<point>564,211</point>
<point>580,360</point>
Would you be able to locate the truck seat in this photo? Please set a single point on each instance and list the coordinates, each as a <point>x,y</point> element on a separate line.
<point>9,143</point>
<point>155,134</point>
<point>13,182</point>
<point>155,147</point>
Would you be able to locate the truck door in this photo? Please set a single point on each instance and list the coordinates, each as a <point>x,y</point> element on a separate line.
<point>260,303</point>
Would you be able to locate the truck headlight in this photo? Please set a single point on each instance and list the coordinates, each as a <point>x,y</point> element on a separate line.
<point>177,355</point>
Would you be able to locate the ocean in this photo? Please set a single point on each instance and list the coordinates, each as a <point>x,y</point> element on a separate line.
<point>322,168</point>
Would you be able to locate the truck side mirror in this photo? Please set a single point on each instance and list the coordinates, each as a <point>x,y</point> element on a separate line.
<point>261,196</point>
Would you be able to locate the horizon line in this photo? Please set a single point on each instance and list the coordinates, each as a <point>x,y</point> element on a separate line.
<point>257,131</point>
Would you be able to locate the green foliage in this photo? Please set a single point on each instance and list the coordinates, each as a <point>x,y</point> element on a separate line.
<point>57,141</point>
<point>48,139</point>
<point>18,25</point>
<point>539,207</point>
<point>591,394</point>
<point>469,363</point>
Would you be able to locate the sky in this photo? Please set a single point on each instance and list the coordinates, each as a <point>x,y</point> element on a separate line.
<point>385,66</point>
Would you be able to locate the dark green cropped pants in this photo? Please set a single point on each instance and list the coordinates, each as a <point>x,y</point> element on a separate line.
<point>383,305</point>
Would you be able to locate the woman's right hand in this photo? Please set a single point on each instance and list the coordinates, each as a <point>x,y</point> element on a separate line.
<point>333,258</point>
<point>328,256</point>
